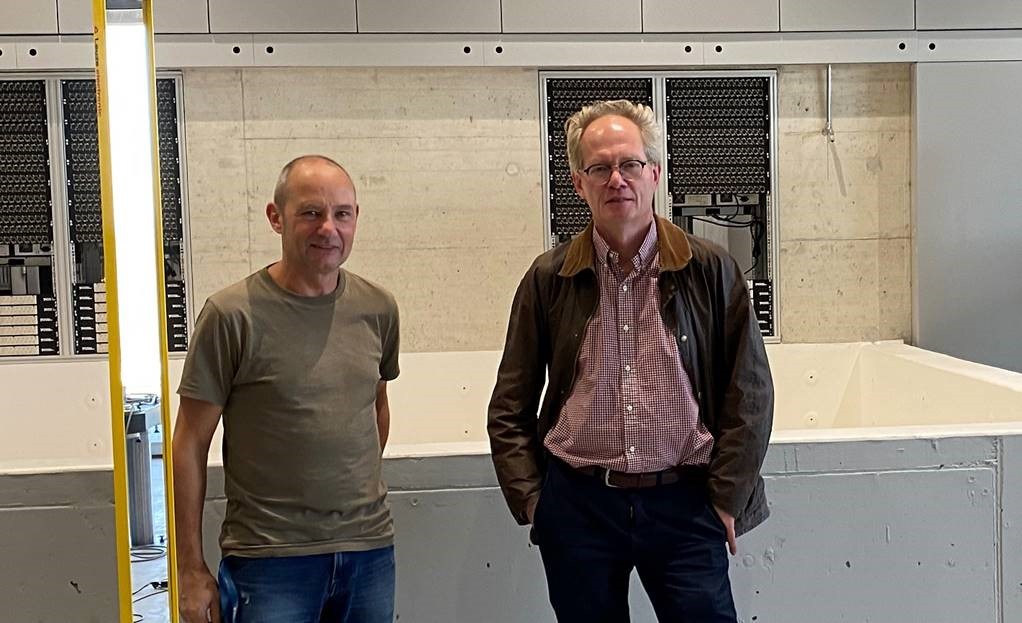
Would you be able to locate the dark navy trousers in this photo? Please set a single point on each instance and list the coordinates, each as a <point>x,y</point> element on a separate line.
<point>591,536</point>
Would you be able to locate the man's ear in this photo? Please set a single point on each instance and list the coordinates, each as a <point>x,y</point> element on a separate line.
<point>275,217</point>
<point>576,181</point>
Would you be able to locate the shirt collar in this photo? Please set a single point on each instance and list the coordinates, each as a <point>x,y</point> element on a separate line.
<point>646,253</point>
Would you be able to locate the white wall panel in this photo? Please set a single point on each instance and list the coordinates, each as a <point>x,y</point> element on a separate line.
<point>575,51</point>
<point>8,55</point>
<point>970,45</point>
<point>810,48</point>
<point>799,15</point>
<point>379,51</point>
<point>243,16</point>
<point>453,16</point>
<point>968,228</point>
<point>69,52</point>
<point>179,16</point>
<point>610,16</point>
<point>955,14</point>
<point>710,16</point>
<point>75,16</point>
<point>175,51</point>
<point>28,17</point>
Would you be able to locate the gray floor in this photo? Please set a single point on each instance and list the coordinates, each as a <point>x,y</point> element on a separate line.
<point>149,564</point>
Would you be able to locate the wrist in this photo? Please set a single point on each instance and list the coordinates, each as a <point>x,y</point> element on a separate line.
<point>192,566</point>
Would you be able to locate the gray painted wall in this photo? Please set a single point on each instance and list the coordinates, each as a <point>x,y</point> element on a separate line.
<point>57,558</point>
<point>880,531</point>
<point>968,211</point>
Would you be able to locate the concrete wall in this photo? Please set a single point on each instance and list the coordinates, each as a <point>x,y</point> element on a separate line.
<point>935,543</point>
<point>448,165</point>
<point>845,206</point>
<point>57,546</point>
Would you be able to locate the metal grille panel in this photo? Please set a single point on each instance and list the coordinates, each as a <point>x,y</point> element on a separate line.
<point>85,218</point>
<point>718,164</point>
<point>28,306</point>
<point>718,132</point>
<point>25,203</point>
<point>173,226</point>
<point>564,97</point>
<point>718,135</point>
<point>85,222</point>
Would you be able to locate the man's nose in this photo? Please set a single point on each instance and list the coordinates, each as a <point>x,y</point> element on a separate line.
<point>327,226</point>
<point>615,180</point>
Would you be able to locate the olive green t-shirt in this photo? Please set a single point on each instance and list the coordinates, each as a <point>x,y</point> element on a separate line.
<point>297,378</point>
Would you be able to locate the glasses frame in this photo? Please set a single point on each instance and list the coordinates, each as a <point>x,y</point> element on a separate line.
<point>612,167</point>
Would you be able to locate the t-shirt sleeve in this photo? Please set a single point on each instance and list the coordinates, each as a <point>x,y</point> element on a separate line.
<point>212,358</point>
<point>391,337</point>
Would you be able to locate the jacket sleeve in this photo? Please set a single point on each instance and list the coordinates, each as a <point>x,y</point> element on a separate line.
<point>512,416</point>
<point>747,405</point>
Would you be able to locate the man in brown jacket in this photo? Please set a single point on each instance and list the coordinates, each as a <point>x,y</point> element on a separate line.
<point>655,421</point>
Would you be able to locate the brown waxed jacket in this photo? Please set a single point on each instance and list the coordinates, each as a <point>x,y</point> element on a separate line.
<point>704,302</point>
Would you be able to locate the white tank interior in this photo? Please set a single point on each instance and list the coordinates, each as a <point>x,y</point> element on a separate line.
<point>824,391</point>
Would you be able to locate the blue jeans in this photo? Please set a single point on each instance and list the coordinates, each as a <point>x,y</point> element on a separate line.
<point>346,587</point>
<point>591,537</point>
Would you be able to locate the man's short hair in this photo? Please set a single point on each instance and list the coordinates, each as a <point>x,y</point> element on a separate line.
<point>280,190</point>
<point>639,114</point>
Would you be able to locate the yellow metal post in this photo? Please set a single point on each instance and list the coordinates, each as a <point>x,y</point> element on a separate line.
<point>161,293</point>
<point>121,532</point>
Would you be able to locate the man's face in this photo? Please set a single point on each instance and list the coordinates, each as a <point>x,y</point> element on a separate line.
<point>613,140</point>
<point>317,222</point>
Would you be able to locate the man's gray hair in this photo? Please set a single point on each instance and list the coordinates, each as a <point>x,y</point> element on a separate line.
<point>280,190</point>
<point>639,114</point>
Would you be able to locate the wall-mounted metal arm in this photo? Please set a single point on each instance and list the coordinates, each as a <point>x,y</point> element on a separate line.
<point>829,129</point>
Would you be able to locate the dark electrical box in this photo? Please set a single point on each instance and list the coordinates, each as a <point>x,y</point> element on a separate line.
<point>564,97</point>
<point>85,227</point>
<point>717,169</point>
<point>51,231</point>
<point>28,305</point>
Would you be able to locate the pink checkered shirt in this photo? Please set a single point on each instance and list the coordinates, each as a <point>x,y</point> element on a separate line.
<point>632,408</point>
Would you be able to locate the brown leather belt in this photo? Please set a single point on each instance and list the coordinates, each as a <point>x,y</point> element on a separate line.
<point>643,480</point>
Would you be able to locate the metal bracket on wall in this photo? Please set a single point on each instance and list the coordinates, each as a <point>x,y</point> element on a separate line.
<point>829,129</point>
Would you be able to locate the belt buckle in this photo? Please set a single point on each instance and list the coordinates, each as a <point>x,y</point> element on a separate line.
<point>606,479</point>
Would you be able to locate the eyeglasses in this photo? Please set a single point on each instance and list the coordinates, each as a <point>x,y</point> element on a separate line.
<point>630,170</point>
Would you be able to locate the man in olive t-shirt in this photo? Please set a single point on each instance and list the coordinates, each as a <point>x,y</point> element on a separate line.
<point>296,358</point>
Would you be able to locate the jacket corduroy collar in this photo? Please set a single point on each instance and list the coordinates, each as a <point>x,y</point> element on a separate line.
<point>675,251</point>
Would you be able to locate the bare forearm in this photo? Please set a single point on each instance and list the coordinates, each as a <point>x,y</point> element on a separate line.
<point>189,496</point>
<point>382,414</point>
<point>383,423</point>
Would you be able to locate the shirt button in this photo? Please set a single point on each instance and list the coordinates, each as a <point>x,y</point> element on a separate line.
<point>624,288</point>
<point>684,338</point>
<point>631,449</point>
<point>628,408</point>
<point>628,368</point>
<point>625,328</point>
